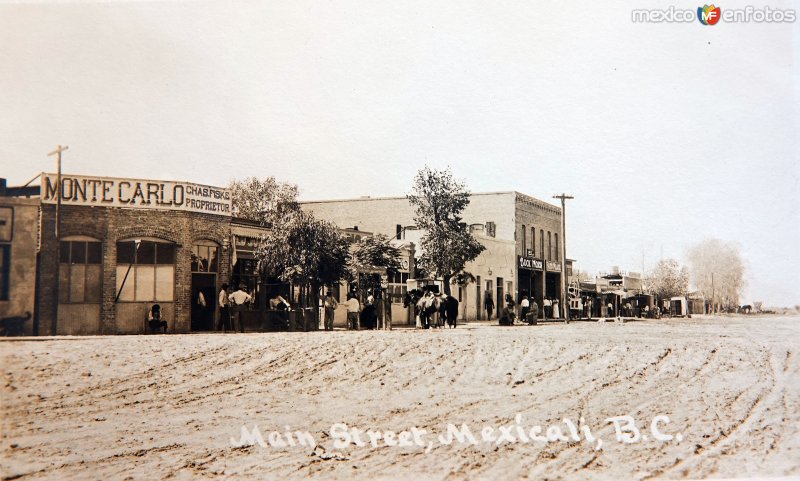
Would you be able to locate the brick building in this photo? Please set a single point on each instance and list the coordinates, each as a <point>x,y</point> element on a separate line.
<point>123,245</point>
<point>521,234</point>
<point>19,239</point>
<point>126,244</point>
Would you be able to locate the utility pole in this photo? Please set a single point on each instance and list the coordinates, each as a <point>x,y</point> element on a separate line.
<point>57,153</point>
<point>564,297</point>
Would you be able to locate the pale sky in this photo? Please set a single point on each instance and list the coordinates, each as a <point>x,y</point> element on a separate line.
<point>666,134</point>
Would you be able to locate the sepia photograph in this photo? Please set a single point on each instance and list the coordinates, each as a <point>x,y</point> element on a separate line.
<point>455,240</point>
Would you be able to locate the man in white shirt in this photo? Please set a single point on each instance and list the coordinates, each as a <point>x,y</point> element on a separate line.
<point>224,310</point>
<point>353,308</point>
<point>238,299</point>
<point>524,307</point>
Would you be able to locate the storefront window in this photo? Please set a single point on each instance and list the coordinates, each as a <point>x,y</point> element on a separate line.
<point>204,257</point>
<point>80,272</point>
<point>397,286</point>
<point>245,272</point>
<point>533,241</point>
<point>146,271</point>
<point>541,243</point>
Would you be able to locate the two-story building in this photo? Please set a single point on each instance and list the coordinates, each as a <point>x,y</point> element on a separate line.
<point>522,236</point>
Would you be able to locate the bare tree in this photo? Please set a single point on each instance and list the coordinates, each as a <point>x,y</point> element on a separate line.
<point>668,279</point>
<point>265,201</point>
<point>717,270</point>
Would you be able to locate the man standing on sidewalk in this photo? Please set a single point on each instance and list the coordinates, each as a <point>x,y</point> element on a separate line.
<point>534,316</point>
<point>224,310</point>
<point>238,300</point>
<point>330,308</point>
<point>353,307</point>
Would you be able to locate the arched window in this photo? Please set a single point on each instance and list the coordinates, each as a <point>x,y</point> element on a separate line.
<point>145,270</point>
<point>524,240</point>
<point>558,252</point>
<point>541,243</point>
<point>533,241</point>
<point>80,274</point>
<point>549,246</point>
<point>205,257</point>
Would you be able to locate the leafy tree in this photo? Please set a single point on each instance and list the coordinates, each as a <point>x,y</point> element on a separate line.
<point>376,251</point>
<point>463,279</point>
<point>370,254</point>
<point>717,270</point>
<point>308,252</point>
<point>668,279</point>
<point>439,200</point>
<point>266,201</point>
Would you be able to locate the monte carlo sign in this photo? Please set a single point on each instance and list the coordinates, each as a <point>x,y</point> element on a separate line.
<point>136,194</point>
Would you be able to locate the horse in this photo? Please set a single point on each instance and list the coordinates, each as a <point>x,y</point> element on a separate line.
<point>447,307</point>
<point>426,306</point>
<point>416,297</point>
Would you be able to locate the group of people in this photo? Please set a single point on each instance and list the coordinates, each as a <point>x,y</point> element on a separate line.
<point>231,307</point>
<point>528,309</point>
<point>329,304</point>
<point>357,317</point>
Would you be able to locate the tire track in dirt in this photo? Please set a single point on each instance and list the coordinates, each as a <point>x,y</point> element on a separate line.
<point>755,410</point>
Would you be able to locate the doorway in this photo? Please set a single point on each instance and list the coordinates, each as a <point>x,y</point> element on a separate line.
<point>501,300</point>
<point>204,301</point>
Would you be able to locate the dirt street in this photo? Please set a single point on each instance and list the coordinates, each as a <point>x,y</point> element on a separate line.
<point>173,407</point>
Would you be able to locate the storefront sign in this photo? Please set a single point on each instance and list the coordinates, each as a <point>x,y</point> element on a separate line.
<point>529,263</point>
<point>553,266</point>
<point>136,193</point>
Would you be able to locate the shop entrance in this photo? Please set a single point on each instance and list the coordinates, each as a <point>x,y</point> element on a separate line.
<point>204,301</point>
<point>537,291</point>
<point>525,283</point>
<point>501,300</point>
<point>553,286</point>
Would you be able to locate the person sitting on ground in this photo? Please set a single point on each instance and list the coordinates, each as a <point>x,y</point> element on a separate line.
<point>154,319</point>
<point>507,316</point>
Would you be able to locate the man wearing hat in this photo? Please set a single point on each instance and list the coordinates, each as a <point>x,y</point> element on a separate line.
<point>238,300</point>
<point>330,304</point>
